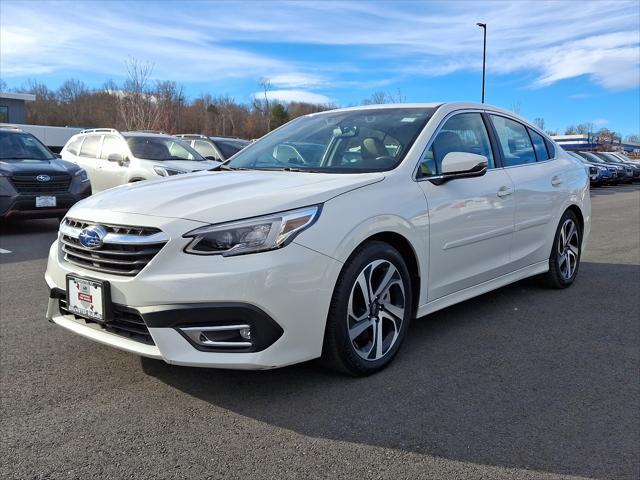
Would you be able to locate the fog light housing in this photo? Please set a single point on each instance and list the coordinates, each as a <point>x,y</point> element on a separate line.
<point>237,336</point>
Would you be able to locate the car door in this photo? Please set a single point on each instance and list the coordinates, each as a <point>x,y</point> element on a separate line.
<point>87,158</point>
<point>539,187</point>
<point>471,219</point>
<point>112,173</point>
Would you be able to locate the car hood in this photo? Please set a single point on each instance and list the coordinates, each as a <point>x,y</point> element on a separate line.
<point>221,196</point>
<point>33,167</point>
<point>188,165</point>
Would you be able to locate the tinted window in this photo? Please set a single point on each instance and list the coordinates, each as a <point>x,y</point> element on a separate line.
<point>539,146</point>
<point>229,147</point>
<point>74,146</point>
<point>112,144</point>
<point>514,141</point>
<point>90,146</point>
<point>465,132</point>
<point>206,149</point>
<point>162,148</point>
<point>4,114</point>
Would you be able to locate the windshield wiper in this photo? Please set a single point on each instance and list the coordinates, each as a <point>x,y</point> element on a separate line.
<point>224,166</point>
<point>25,158</point>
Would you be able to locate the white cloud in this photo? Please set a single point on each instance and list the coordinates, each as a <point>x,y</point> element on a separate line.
<point>553,41</point>
<point>600,122</point>
<point>294,96</point>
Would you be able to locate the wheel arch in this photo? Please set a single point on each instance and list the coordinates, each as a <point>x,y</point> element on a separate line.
<point>408,253</point>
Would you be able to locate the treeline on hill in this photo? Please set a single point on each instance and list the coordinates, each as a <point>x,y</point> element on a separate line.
<point>143,104</point>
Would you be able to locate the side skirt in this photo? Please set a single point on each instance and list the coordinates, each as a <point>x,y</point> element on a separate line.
<point>481,288</point>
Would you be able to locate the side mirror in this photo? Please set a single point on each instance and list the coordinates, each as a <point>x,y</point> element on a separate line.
<point>461,165</point>
<point>118,158</point>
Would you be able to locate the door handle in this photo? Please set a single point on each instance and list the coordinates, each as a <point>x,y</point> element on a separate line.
<point>556,180</point>
<point>505,191</point>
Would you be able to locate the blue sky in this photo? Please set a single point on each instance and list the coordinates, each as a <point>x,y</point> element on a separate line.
<point>567,62</point>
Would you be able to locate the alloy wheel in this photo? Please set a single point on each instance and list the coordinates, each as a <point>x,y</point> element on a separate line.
<point>568,249</point>
<point>376,310</point>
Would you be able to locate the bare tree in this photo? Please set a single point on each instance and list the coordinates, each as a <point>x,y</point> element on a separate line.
<point>137,105</point>
<point>539,122</point>
<point>516,107</point>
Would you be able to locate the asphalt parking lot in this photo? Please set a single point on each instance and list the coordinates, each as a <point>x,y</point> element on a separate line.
<point>520,383</point>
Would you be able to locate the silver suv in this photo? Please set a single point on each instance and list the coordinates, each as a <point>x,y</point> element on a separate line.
<point>113,158</point>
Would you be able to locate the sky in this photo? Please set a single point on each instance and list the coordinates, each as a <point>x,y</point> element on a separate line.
<point>567,62</point>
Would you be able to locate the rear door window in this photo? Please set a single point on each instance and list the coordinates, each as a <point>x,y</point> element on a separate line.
<point>514,141</point>
<point>539,146</point>
<point>90,146</point>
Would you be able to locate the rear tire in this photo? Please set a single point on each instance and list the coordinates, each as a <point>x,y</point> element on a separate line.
<point>564,261</point>
<point>370,311</point>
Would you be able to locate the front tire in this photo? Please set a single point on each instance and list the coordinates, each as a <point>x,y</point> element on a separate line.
<point>370,311</point>
<point>565,255</point>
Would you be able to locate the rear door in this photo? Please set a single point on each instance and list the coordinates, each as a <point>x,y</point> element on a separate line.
<point>471,219</point>
<point>87,158</point>
<point>539,186</point>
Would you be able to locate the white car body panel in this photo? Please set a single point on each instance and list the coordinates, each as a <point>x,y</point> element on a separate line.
<point>466,239</point>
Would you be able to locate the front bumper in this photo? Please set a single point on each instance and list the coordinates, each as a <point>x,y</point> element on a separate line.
<point>23,205</point>
<point>291,287</point>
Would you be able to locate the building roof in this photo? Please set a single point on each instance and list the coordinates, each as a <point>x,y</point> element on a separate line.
<point>27,97</point>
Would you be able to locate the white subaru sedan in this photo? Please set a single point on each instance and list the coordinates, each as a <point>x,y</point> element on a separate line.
<point>325,238</point>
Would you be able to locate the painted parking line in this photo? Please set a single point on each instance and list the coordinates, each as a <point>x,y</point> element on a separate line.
<point>2,250</point>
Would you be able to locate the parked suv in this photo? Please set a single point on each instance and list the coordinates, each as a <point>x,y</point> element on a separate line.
<point>630,170</point>
<point>33,181</point>
<point>113,158</point>
<point>412,208</point>
<point>214,148</point>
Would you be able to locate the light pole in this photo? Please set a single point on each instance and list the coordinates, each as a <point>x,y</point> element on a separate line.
<point>484,54</point>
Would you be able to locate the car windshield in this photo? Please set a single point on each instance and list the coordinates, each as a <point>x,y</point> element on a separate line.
<point>369,140</point>
<point>161,148</point>
<point>591,157</point>
<point>230,147</point>
<point>22,147</point>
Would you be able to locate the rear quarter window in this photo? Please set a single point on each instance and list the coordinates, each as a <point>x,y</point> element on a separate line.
<point>74,145</point>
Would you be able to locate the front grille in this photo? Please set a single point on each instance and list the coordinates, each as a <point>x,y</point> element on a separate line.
<point>126,250</point>
<point>29,184</point>
<point>126,322</point>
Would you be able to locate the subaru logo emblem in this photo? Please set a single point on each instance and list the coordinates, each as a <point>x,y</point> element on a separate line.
<point>43,178</point>
<point>92,237</point>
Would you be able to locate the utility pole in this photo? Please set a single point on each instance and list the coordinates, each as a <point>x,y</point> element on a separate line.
<point>484,55</point>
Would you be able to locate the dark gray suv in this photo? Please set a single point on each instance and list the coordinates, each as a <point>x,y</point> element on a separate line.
<point>34,183</point>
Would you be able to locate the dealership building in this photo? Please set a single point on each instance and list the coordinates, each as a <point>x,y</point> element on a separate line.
<point>13,108</point>
<point>591,142</point>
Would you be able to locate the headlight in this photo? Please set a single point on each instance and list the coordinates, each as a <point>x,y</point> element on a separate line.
<point>167,172</point>
<point>252,235</point>
<point>81,175</point>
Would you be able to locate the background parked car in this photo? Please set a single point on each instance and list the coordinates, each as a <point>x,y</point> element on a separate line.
<point>598,174</point>
<point>619,169</point>
<point>214,148</point>
<point>630,170</point>
<point>33,181</point>
<point>616,157</point>
<point>113,158</point>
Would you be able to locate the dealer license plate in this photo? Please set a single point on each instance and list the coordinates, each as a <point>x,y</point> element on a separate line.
<point>86,297</point>
<point>45,202</point>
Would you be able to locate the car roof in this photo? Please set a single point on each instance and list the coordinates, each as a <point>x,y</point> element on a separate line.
<point>146,134</point>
